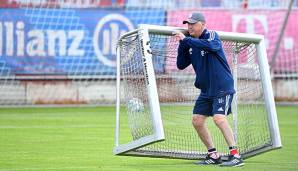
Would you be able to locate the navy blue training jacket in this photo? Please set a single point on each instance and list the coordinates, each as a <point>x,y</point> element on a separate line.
<point>213,74</point>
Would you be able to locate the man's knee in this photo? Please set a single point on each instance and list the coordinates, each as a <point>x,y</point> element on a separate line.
<point>198,120</point>
<point>219,119</point>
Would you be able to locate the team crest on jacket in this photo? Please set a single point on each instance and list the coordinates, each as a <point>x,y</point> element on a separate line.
<point>220,100</point>
<point>203,53</point>
<point>190,51</point>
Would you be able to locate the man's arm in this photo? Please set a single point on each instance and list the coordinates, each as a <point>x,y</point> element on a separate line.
<point>183,59</point>
<point>213,43</point>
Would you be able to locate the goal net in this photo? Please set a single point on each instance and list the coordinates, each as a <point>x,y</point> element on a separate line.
<point>155,99</point>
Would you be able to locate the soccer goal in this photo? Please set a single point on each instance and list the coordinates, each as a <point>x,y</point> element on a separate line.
<point>155,99</point>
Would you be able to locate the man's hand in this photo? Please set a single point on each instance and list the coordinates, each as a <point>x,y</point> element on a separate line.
<point>179,35</point>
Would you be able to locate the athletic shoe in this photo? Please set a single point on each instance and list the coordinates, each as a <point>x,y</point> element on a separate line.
<point>233,161</point>
<point>209,161</point>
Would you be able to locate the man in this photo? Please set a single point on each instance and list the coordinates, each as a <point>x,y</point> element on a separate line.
<point>203,49</point>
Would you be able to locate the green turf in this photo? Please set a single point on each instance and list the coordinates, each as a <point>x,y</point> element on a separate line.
<point>82,139</point>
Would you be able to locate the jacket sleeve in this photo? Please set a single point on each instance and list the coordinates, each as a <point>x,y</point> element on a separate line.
<point>183,59</point>
<point>213,43</point>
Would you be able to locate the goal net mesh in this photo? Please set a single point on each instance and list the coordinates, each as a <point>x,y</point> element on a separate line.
<point>177,96</point>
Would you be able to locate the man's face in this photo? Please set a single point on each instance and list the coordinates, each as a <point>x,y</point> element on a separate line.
<point>196,29</point>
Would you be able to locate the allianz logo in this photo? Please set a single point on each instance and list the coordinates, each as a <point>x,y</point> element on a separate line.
<point>18,41</point>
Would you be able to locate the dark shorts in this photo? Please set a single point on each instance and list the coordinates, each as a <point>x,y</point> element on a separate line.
<point>210,106</point>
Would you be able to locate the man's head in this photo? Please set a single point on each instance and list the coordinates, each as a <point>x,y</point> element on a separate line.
<point>196,24</point>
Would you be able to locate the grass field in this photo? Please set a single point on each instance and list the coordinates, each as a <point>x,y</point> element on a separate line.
<point>83,138</point>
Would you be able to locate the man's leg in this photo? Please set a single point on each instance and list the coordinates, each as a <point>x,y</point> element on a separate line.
<point>222,123</point>
<point>221,108</point>
<point>224,126</point>
<point>199,123</point>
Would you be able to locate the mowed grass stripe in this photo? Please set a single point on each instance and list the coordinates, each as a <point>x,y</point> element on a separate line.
<point>83,139</point>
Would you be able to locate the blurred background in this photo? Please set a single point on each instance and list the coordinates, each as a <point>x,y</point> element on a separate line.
<point>62,52</point>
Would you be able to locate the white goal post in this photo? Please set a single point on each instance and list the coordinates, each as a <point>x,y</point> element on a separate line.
<point>159,123</point>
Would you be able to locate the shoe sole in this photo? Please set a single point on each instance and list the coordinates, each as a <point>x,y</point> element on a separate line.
<point>206,164</point>
<point>238,165</point>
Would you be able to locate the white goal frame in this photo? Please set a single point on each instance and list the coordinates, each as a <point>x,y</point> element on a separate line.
<point>153,97</point>
<point>143,31</point>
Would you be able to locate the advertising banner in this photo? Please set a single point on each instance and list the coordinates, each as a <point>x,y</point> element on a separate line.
<point>265,22</point>
<point>66,41</point>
